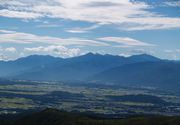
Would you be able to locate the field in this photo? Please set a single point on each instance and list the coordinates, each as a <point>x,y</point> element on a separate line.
<point>20,96</point>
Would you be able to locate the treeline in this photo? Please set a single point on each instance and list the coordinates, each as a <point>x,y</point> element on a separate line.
<point>55,117</point>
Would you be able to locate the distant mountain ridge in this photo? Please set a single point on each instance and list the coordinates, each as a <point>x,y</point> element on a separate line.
<point>25,63</point>
<point>162,74</point>
<point>134,70</point>
<point>38,67</point>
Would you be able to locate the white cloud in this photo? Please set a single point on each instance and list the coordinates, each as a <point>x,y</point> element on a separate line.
<point>173,3</point>
<point>137,52</point>
<point>54,50</point>
<point>178,50</point>
<point>82,30</point>
<point>12,3</point>
<point>124,55</point>
<point>172,51</point>
<point>3,58</point>
<point>125,41</point>
<point>174,54</point>
<point>20,37</point>
<point>141,51</point>
<point>10,49</point>
<point>19,14</point>
<point>152,23</point>
<point>132,15</point>
<point>168,51</point>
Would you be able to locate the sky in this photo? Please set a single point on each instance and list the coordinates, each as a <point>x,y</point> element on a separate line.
<point>68,28</point>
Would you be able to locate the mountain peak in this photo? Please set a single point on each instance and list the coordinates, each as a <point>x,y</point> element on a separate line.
<point>92,54</point>
<point>145,57</point>
<point>38,56</point>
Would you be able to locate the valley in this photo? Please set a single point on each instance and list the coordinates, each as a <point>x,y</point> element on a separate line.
<point>102,100</point>
<point>89,62</point>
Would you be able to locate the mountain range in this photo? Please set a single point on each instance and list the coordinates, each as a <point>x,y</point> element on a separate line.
<point>137,70</point>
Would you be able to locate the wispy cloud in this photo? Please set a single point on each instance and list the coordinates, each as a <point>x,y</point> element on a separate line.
<point>83,30</point>
<point>3,57</point>
<point>47,26</point>
<point>136,15</point>
<point>141,51</point>
<point>172,51</point>
<point>5,52</point>
<point>26,38</point>
<point>54,50</point>
<point>168,51</point>
<point>173,3</point>
<point>10,49</point>
<point>19,14</point>
<point>178,50</point>
<point>125,42</point>
<point>174,54</point>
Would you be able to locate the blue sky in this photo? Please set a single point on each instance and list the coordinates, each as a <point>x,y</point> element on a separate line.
<point>67,28</point>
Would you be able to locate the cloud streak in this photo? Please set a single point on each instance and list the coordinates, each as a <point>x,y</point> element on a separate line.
<point>10,49</point>
<point>136,15</point>
<point>83,30</point>
<point>26,38</point>
<point>173,3</point>
<point>126,42</point>
<point>54,50</point>
<point>19,14</point>
<point>7,36</point>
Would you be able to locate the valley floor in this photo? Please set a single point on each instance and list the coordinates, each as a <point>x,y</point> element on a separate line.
<point>119,102</point>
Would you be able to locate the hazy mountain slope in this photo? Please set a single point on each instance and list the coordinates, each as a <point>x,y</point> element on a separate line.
<point>13,67</point>
<point>79,68</point>
<point>143,58</point>
<point>75,68</point>
<point>156,74</point>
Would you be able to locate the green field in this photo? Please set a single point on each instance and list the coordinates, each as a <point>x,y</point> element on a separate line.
<point>18,96</point>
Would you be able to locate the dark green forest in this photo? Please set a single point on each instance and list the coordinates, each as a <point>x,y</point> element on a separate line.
<point>56,117</point>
